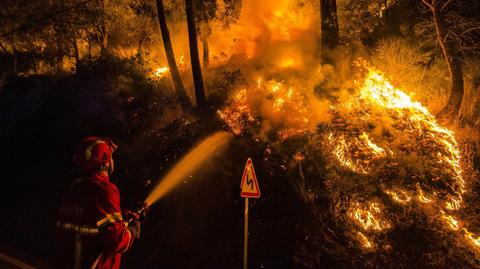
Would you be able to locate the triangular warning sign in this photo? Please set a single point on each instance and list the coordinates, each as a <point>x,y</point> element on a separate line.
<point>249,187</point>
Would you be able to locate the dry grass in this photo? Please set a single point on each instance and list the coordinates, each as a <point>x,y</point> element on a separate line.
<point>418,73</point>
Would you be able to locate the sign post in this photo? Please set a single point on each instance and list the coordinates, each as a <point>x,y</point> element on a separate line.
<point>248,189</point>
<point>245,237</point>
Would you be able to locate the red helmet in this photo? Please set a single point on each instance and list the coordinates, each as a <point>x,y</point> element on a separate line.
<point>94,154</point>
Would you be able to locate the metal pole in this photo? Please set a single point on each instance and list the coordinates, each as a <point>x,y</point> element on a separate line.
<point>245,240</point>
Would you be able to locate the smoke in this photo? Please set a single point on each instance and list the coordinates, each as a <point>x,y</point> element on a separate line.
<point>385,153</point>
<point>285,89</point>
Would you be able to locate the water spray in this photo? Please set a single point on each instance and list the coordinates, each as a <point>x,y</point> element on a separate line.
<point>189,164</point>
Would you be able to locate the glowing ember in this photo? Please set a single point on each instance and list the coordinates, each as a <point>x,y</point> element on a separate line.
<point>160,72</point>
<point>421,196</point>
<point>273,100</point>
<point>475,240</point>
<point>452,222</point>
<point>368,216</point>
<point>344,149</point>
<point>399,196</point>
<point>365,242</point>
<point>239,114</point>
<point>341,150</point>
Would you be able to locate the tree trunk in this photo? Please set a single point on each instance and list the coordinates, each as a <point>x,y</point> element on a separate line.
<point>141,40</point>
<point>60,42</point>
<point>14,50</point>
<point>454,65</point>
<point>103,29</point>
<point>470,110</point>
<point>3,48</point>
<point>172,65</point>
<point>76,50</point>
<point>329,33</point>
<point>60,52</point>
<point>204,33</point>
<point>104,43</point>
<point>206,53</point>
<point>89,49</point>
<point>194,58</point>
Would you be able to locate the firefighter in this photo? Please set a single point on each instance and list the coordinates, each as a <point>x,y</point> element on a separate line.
<point>91,231</point>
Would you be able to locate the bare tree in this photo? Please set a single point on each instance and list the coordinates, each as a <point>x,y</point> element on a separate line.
<point>451,54</point>
<point>464,31</point>
<point>194,58</point>
<point>167,44</point>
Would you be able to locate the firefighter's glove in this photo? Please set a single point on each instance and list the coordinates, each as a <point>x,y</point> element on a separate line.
<point>135,227</point>
<point>143,212</point>
<point>130,215</point>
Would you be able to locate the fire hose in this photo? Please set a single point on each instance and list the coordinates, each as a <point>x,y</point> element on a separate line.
<point>140,214</point>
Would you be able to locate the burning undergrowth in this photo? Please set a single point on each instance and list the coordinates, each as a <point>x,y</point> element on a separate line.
<point>388,167</point>
<point>276,105</point>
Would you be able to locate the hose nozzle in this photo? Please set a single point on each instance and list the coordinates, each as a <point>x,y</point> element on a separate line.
<point>143,211</point>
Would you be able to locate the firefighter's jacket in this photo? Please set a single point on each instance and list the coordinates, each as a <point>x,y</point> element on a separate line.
<point>90,230</point>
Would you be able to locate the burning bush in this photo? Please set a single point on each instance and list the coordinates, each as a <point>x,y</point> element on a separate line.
<point>385,157</point>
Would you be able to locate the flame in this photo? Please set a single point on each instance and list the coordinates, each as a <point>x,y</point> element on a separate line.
<point>236,115</point>
<point>375,149</point>
<point>355,144</point>
<point>453,203</point>
<point>160,72</point>
<point>364,151</point>
<point>364,240</point>
<point>368,216</point>
<point>341,150</point>
<point>163,71</point>
<point>378,90</point>
<point>450,221</point>
<point>274,100</point>
<point>286,21</point>
<point>400,196</point>
<point>421,196</point>
<point>287,62</point>
<point>359,153</point>
<point>344,149</point>
<point>474,240</point>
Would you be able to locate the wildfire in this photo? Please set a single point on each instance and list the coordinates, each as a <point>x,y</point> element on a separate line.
<point>400,196</point>
<point>379,134</point>
<point>287,62</point>
<point>475,240</point>
<point>368,216</point>
<point>286,20</point>
<point>450,221</point>
<point>163,71</point>
<point>160,72</point>
<point>281,104</point>
<point>238,114</point>
<point>365,242</point>
<point>408,121</point>
<point>341,150</point>
<point>344,149</point>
